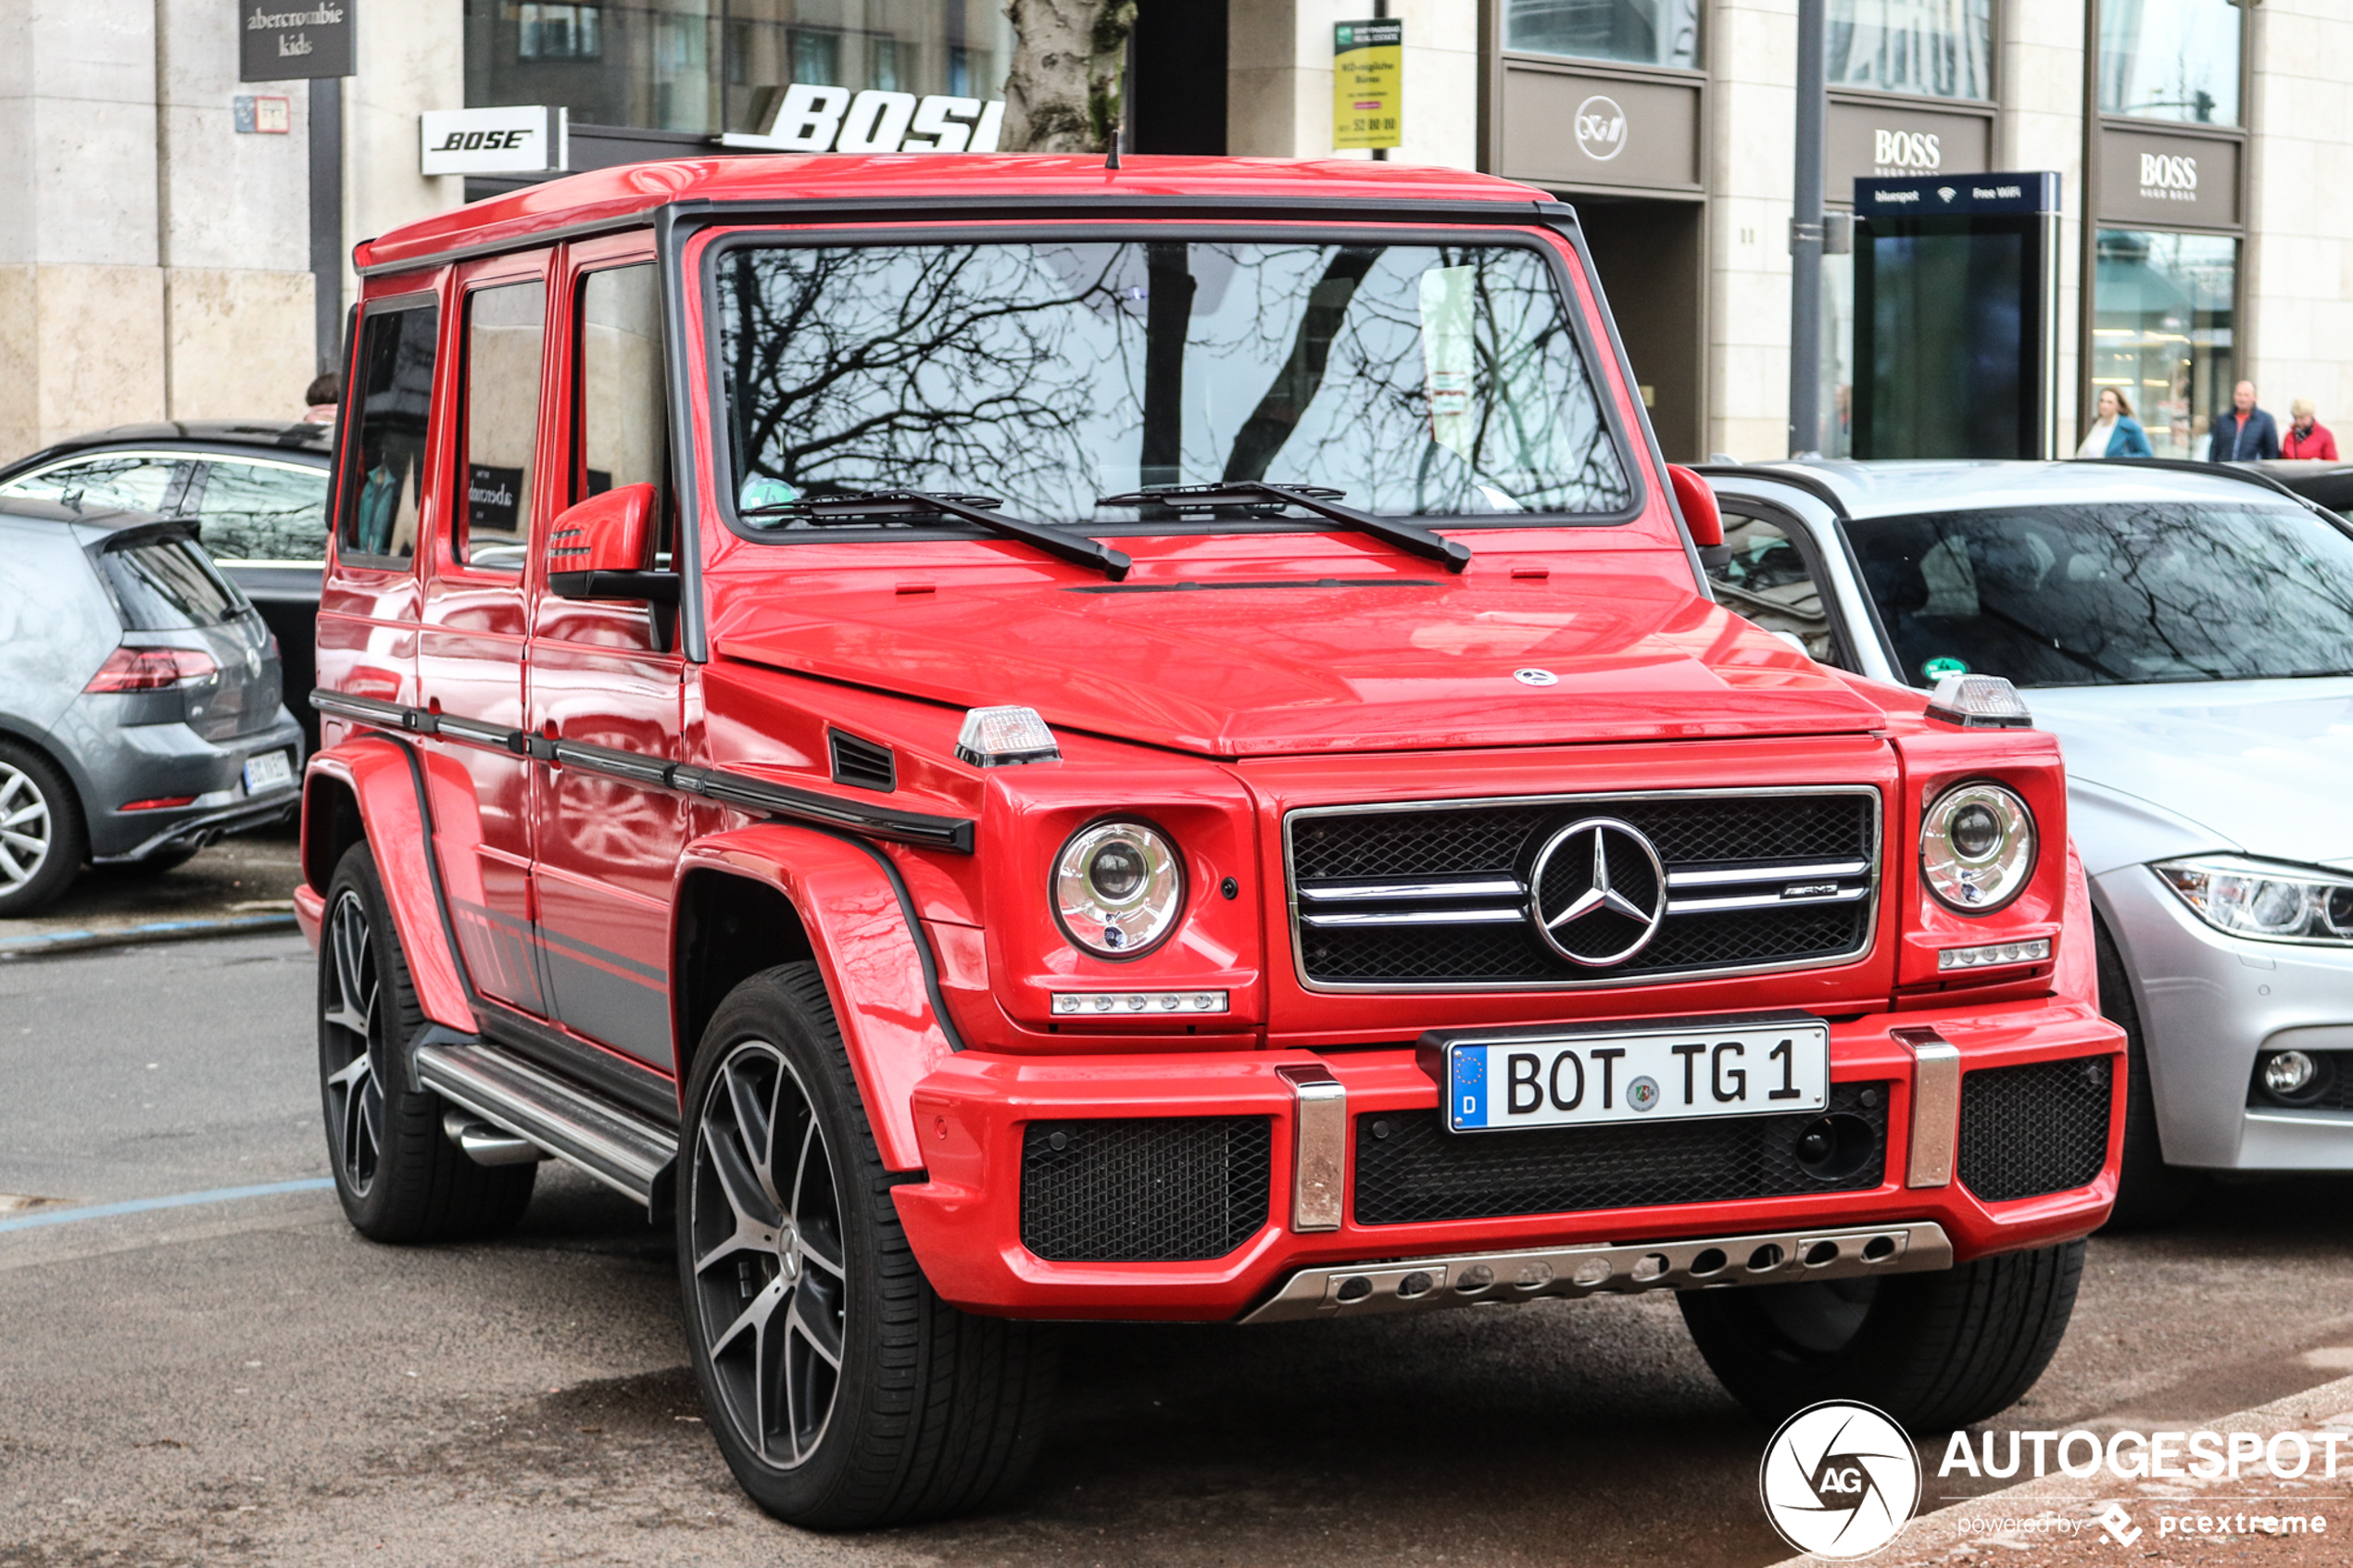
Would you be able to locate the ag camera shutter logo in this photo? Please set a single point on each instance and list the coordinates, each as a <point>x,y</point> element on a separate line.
<point>1839,1480</point>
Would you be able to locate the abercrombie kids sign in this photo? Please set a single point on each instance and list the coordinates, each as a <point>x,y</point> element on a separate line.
<point>293,40</point>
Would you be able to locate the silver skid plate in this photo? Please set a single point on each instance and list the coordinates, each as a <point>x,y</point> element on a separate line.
<point>1420,1284</point>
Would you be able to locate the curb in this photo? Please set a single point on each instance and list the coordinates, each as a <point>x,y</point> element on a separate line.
<point>1938,1535</point>
<point>137,935</point>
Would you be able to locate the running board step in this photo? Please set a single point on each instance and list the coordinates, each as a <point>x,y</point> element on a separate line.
<point>609,1142</point>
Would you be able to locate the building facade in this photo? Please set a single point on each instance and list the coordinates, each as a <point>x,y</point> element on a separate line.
<point>155,263</point>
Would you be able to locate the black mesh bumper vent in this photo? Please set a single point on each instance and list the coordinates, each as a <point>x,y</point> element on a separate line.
<point>1166,1190</point>
<point>1410,1169</point>
<point>2026,1131</point>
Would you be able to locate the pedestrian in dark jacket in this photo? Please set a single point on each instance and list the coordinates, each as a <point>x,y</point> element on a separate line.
<point>2307,436</point>
<point>2115,433</point>
<point>2245,432</point>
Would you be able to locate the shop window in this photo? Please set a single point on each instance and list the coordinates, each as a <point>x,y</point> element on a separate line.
<point>558,32</point>
<point>1938,48</point>
<point>382,496</point>
<point>1650,32</point>
<point>2170,59</point>
<point>2161,331</point>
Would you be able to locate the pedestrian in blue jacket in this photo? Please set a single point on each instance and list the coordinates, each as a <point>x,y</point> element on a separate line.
<point>2245,432</point>
<point>2115,433</point>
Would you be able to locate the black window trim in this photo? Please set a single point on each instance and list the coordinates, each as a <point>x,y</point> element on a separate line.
<point>1514,227</point>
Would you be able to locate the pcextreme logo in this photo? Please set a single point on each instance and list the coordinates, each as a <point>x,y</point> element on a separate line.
<point>1839,1480</point>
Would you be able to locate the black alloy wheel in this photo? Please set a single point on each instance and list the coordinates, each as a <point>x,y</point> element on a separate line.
<point>399,1176</point>
<point>841,1390</point>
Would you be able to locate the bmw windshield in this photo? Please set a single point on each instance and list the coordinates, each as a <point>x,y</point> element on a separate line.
<point>2117,595</point>
<point>1439,381</point>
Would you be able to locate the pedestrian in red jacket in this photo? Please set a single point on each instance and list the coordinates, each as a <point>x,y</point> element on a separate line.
<point>2306,436</point>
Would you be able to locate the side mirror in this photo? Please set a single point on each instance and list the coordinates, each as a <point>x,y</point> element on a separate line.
<point>601,548</point>
<point>1701,515</point>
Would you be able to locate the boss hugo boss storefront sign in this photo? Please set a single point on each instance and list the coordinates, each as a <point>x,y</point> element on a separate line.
<point>2163,179</point>
<point>1887,138</point>
<point>1569,128</point>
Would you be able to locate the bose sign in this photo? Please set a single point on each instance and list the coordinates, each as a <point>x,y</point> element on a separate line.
<point>526,139</point>
<point>811,119</point>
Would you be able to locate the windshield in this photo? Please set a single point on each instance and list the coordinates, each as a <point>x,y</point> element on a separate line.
<point>1420,380</point>
<point>2113,594</point>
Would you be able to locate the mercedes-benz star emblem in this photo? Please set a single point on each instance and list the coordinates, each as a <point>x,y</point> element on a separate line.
<point>1597,892</point>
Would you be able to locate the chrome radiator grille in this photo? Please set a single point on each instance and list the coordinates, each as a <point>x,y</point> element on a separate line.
<point>1581,890</point>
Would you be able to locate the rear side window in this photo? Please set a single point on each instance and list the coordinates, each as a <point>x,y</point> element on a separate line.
<point>264,511</point>
<point>383,502</point>
<point>167,585</point>
<point>506,328</point>
<point>122,484</point>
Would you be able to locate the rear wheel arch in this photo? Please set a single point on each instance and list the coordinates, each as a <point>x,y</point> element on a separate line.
<point>726,928</point>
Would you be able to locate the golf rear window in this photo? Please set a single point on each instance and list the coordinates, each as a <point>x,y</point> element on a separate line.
<point>168,585</point>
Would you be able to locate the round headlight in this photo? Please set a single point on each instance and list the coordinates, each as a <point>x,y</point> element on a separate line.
<point>1118,888</point>
<point>1977,847</point>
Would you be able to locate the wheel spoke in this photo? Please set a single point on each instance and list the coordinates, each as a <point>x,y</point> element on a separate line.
<point>23,841</point>
<point>800,1165</point>
<point>351,1072</point>
<point>8,867</point>
<point>11,783</point>
<point>743,1189</point>
<point>754,1124</point>
<point>38,811</point>
<point>754,1317</point>
<point>745,1237</point>
<point>809,1251</point>
<point>820,1335</point>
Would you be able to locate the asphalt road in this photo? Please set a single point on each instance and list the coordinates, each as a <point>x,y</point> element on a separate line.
<point>246,1381</point>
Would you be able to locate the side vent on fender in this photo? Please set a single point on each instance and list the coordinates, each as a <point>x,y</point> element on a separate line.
<point>863,763</point>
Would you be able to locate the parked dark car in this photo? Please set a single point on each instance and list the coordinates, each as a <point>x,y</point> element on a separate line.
<point>139,712</point>
<point>257,491</point>
<point>2328,484</point>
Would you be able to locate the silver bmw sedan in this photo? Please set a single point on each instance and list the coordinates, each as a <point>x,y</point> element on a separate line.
<point>2187,633</point>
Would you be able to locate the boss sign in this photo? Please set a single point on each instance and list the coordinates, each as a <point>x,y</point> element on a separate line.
<point>811,119</point>
<point>1907,149</point>
<point>2173,174</point>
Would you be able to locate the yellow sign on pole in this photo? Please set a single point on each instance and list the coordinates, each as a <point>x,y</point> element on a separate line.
<point>1368,77</point>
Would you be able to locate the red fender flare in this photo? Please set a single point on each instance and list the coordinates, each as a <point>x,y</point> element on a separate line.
<point>860,923</point>
<point>383,776</point>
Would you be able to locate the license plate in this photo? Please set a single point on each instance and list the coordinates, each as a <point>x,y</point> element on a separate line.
<point>1745,1067</point>
<point>271,770</point>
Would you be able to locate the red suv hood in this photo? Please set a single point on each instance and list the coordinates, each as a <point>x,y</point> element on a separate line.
<point>1260,668</point>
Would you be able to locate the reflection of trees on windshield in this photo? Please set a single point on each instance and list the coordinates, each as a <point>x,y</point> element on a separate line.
<point>1418,379</point>
<point>2109,594</point>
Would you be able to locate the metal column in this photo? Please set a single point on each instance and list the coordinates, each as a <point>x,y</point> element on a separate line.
<point>1805,238</point>
<point>327,218</point>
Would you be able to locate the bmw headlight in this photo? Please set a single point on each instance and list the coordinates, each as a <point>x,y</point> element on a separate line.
<point>2274,903</point>
<point>1977,847</point>
<point>1118,888</point>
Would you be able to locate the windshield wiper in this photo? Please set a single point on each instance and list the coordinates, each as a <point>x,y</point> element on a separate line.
<point>1452,554</point>
<point>978,510</point>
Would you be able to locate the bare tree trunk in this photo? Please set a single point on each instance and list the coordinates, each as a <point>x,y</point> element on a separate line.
<point>1062,95</point>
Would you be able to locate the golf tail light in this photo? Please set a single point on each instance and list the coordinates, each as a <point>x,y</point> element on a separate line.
<point>2270,903</point>
<point>1118,888</point>
<point>151,669</point>
<point>1977,847</point>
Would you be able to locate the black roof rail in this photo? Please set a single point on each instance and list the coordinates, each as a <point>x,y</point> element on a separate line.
<point>1821,490</point>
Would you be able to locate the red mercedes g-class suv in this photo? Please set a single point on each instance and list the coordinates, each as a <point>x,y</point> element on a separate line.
<point>1008,740</point>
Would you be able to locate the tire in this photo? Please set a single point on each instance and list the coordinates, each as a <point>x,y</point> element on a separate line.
<point>43,837</point>
<point>2148,1191</point>
<point>400,1177</point>
<point>843,1392</point>
<point>1934,1350</point>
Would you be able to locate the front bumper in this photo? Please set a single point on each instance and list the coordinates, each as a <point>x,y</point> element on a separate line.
<point>965,1220</point>
<point>2211,1005</point>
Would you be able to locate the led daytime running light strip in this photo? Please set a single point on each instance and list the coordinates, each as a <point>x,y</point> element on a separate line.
<point>2036,951</point>
<point>1131,1004</point>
